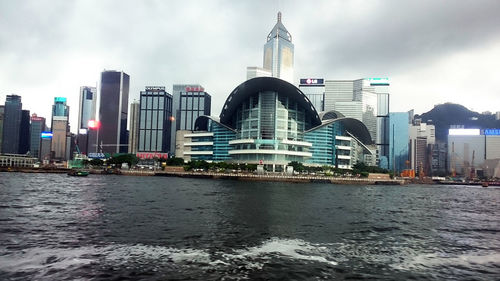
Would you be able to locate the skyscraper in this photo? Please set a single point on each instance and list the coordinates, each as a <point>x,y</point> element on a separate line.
<point>189,102</point>
<point>60,129</point>
<point>399,138</point>
<point>24,132</point>
<point>37,127</point>
<point>155,120</point>
<point>12,124</point>
<point>113,111</point>
<point>133,137</point>
<point>366,100</point>
<point>279,52</point>
<point>87,106</point>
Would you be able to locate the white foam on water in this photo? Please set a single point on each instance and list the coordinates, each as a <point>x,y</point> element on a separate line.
<point>434,260</point>
<point>290,248</point>
<point>41,259</point>
<point>125,253</point>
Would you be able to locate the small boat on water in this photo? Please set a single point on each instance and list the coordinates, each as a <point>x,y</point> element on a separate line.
<point>78,173</point>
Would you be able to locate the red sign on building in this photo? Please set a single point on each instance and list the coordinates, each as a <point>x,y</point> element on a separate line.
<point>195,89</point>
<point>151,155</point>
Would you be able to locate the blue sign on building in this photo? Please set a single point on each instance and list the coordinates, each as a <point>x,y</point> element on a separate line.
<point>492,132</point>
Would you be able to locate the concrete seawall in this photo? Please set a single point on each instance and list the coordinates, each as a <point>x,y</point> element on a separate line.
<point>283,178</point>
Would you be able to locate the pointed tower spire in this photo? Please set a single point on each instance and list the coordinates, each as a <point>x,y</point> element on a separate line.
<point>279,30</point>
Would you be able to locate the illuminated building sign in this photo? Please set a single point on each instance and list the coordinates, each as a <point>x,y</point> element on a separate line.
<point>155,88</point>
<point>152,155</point>
<point>96,155</point>
<point>82,131</point>
<point>492,132</point>
<point>60,99</point>
<point>46,135</point>
<point>312,81</point>
<point>464,132</point>
<point>34,118</point>
<point>195,89</point>
<point>378,81</point>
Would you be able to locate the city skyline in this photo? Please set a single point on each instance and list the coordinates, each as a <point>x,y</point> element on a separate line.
<point>430,51</point>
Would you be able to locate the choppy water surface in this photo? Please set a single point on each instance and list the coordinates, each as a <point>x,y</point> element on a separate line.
<point>55,227</point>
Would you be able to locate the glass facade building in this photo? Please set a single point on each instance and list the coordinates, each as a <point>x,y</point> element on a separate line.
<point>12,124</point>
<point>269,121</point>
<point>399,123</point>
<point>279,52</point>
<point>37,127</point>
<point>314,89</point>
<point>59,108</point>
<point>87,107</point>
<point>155,120</point>
<point>190,101</point>
<point>24,137</point>
<point>113,112</point>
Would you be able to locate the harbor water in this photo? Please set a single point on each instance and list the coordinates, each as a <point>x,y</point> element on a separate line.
<point>107,227</point>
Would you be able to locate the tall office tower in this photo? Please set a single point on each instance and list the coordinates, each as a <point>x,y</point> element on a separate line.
<point>278,52</point>
<point>133,137</point>
<point>314,89</point>
<point>113,111</point>
<point>24,132</point>
<point>87,106</point>
<point>2,112</point>
<point>155,120</point>
<point>399,125</point>
<point>60,128</point>
<point>36,129</point>
<point>253,72</point>
<point>189,102</point>
<point>11,124</point>
<point>366,100</point>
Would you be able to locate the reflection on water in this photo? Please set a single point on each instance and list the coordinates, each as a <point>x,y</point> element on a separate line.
<point>106,227</point>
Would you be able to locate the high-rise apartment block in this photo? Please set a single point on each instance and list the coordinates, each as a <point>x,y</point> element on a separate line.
<point>279,52</point>
<point>155,119</point>
<point>422,138</point>
<point>189,102</point>
<point>113,111</point>
<point>12,124</point>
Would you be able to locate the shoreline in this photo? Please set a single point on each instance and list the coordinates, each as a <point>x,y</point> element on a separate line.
<point>225,176</point>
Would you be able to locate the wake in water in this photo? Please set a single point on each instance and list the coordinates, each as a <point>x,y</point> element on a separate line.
<point>45,262</point>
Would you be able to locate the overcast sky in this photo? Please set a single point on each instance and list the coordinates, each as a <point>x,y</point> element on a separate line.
<point>432,51</point>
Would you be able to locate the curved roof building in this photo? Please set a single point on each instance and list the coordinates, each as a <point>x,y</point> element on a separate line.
<point>269,121</point>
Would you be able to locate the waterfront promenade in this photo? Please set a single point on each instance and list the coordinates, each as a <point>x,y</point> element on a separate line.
<point>269,177</point>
